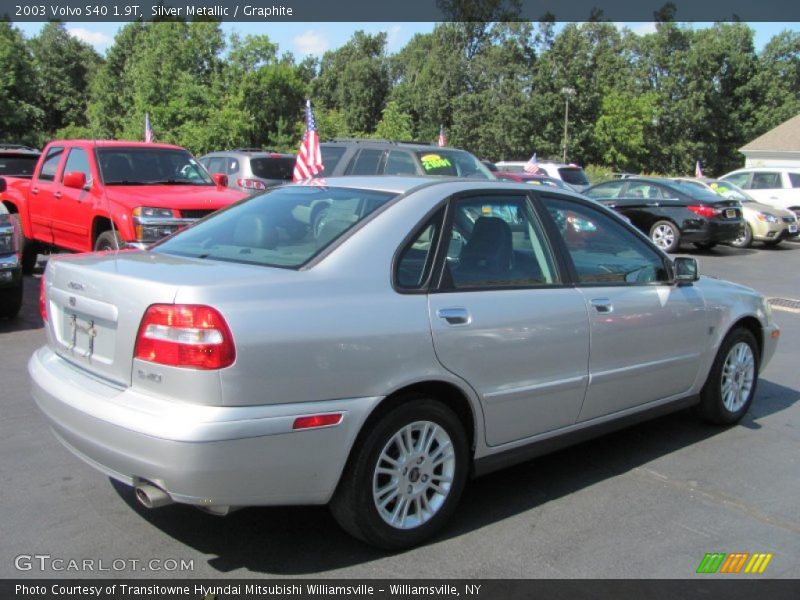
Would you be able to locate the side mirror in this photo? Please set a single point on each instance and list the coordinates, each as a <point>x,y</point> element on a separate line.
<point>685,270</point>
<point>220,179</point>
<point>2,185</point>
<point>74,179</point>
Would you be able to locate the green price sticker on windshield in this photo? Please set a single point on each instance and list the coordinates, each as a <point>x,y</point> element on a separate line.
<point>433,162</point>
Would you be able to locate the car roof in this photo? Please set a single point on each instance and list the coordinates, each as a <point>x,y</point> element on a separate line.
<point>393,143</point>
<point>251,152</point>
<point>18,149</point>
<point>118,144</point>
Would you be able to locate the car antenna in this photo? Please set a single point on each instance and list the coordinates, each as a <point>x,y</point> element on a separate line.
<point>108,202</point>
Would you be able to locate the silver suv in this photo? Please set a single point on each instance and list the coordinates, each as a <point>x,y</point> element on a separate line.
<point>250,169</point>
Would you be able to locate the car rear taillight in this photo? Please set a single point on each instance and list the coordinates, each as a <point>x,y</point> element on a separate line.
<point>705,211</point>
<point>185,335</point>
<point>43,299</point>
<point>250,184</point>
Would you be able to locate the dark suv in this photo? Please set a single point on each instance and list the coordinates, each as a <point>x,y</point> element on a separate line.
<point>382,157</point>
<point>250,169</point>
<point>18,161</point>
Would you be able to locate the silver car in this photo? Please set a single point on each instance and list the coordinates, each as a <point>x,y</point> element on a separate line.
<point>429,330</point>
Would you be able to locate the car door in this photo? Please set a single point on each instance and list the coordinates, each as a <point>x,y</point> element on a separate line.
<point>42,194</point>
<point>504,320</point>
<point>646,333</point>
<point>72,209</point>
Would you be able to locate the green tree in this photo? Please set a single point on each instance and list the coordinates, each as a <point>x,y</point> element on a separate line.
<point>64,68</point>
<point>20,117</point>
<point>394,124</point>
<point>776,86</point>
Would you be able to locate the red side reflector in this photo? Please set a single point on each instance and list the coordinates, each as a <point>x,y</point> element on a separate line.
<point>317,421</point>
<point>43,299</point>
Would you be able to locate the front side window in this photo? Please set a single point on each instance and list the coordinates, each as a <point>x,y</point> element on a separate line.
<point>399,163</point>
<point>602,250</point>
<point>611,189</point>
<point>766,181</point>
<point>274,228</point>
<point>497,242</point>
<point>739,179</point>
<point>50,165</point>
<point>78,161</point>
<point>794,179</point>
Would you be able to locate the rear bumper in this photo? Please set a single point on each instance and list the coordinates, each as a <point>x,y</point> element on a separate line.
<point>712,231</point>
<point>202,455</point>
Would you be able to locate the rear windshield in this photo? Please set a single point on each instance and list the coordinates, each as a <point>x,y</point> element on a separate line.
<point>273,167</point>
<point>696,193</point>
<point>730,191</point>
<point>453,163</point>
<point>150,166</point>
<point>285,227</point>
<point>22,166</point>
<point>573,175</point>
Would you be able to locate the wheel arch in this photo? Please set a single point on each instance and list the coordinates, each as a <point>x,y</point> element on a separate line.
<point>101,223</point>
<point>753,325</point>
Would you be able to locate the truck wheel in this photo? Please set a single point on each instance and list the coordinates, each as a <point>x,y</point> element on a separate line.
<point>28,250</point>
<point>108,240</point>
<point>10,302</point>
<point>405,478</point>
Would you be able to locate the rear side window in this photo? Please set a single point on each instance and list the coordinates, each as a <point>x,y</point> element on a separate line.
<point>573,175</point>
<point>365,162</point>
<point>216,164</point>
<point>416,259</point>
<point>273,168</point>
<point>50,166</point>
<point>794,179</point>
<point>739,179</point>
<point>606,190</point>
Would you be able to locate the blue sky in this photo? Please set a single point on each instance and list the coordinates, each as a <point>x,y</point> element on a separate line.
<point>302,39</point>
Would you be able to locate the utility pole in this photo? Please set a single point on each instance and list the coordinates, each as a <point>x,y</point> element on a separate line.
<point>567,91</point>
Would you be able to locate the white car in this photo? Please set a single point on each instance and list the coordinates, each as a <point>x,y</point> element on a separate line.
<point>570,174</point>
<point>775,186</point>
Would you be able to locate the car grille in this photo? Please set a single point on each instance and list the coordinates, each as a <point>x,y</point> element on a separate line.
<point>196,214</point>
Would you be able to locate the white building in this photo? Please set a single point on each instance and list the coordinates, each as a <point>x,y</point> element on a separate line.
<point>779,147</point>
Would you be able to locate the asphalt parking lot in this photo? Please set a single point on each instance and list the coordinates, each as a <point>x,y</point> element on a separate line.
<point>646,502</point>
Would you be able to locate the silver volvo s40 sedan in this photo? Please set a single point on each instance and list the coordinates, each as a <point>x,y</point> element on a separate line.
<point>370,343</point>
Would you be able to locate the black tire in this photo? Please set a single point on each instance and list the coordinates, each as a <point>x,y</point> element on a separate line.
<point>705,245</point>
<point>738,350</point>
<point>28,250</point>
<point>108,240</point>
<point>746,239</point>
<point>10,302</point>
<point>666,235</point>
<point>354,505</point>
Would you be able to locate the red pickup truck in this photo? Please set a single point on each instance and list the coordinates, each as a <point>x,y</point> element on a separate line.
<point>102,195</point>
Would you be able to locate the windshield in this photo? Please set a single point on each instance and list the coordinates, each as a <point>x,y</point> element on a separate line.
<point>150,166</point>
<point>285,227</point>
<point>453,163</point>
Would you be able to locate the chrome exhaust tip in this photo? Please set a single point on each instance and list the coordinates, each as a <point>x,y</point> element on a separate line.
<point>151,496</point>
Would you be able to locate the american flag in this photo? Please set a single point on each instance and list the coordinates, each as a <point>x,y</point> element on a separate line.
<point>309,159</point>
<point>148,130</point>
<point>698,172</point>
<point>532,166</point>
<point>442,138</point>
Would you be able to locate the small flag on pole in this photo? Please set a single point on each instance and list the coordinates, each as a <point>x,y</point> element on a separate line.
<point>698,172</point>
<point>309,159</point>
<point>442,138</point>
<point>148,130</point>
<point>532,166</point>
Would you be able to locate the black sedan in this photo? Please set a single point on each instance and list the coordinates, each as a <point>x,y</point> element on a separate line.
<point>672,212</point>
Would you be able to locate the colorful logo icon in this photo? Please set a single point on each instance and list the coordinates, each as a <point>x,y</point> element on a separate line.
<point>736,562</point>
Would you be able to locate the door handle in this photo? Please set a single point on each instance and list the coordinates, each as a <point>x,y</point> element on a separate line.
<point>454,316</point>
<point>34,190</point>
<point>57,195</point>
<point>602,305</point>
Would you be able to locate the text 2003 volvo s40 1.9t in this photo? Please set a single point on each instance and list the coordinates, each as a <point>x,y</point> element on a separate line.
<point>423,332</point>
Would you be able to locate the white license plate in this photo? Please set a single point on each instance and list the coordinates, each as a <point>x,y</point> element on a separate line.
<point>79,335</point>
<point>792,228</point>
<point>730,213</point>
